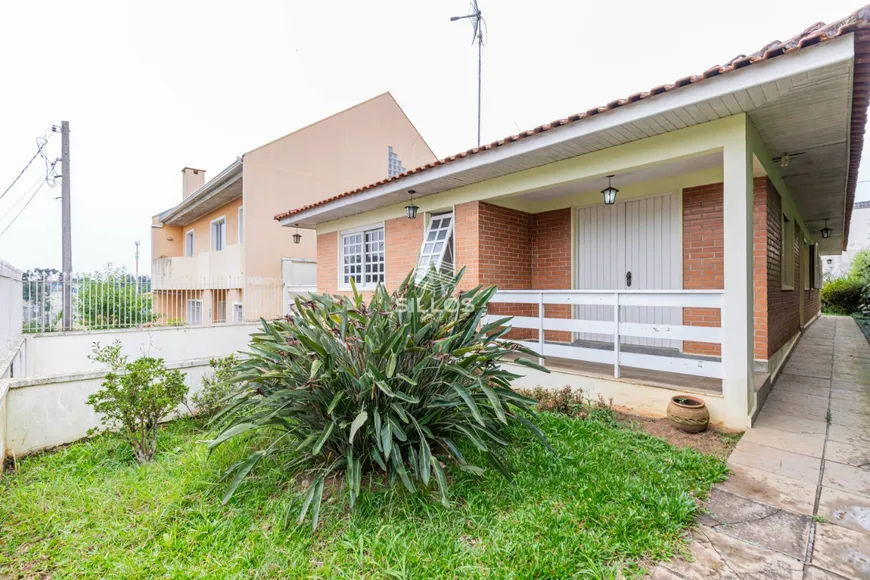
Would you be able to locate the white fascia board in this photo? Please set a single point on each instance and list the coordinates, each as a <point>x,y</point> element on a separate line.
<point>806,59</point>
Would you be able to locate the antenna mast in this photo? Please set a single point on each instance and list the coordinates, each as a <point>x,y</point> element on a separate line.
<point>478,24</point>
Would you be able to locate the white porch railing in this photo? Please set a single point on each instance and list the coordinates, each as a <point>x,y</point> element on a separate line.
<point>617,328</point>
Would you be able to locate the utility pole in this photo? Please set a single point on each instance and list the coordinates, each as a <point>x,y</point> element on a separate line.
<point>137,267</point>
<point>66,228</point>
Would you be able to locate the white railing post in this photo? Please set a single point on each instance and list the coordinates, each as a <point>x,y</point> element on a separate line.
<point>616,335</point>
<point>541,327</point>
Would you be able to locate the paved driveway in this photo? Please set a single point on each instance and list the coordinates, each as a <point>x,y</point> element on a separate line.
<point>798,502</point>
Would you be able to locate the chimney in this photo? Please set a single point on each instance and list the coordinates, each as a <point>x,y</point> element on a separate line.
<point>191,180</point>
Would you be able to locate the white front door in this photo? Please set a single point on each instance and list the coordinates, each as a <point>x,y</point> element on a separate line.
<point>633,245</point>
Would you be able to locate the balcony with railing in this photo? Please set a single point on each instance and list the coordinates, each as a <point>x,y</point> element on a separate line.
<point>208,270</point>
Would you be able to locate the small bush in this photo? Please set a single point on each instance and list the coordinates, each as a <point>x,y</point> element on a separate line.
<point>841,296</point>
<point>859,269</point>
<point>135,396</point>
<point>216,388</point>
<point>571,402</point>
<point>397,386</point>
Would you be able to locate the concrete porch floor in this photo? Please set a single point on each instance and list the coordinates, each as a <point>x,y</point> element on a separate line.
<point>797,504</point>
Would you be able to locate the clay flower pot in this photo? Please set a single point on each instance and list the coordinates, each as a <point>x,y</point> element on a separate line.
<point>688,413</point>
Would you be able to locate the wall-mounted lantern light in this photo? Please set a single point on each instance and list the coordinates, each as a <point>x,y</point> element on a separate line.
<point>826,231</point>
<point>609,192</point>
<point>297,237</point>
<point>411,209</point>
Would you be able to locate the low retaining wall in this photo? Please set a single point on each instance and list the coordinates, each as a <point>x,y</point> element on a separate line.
<point>43,412</point>
<point>67,352</point>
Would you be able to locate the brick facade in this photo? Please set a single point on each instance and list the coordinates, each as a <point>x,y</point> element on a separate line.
<point>703,257</point>
<point>327,263</point>
<point>551,262</point>
<point>402,241</point>
<point>783,306</point>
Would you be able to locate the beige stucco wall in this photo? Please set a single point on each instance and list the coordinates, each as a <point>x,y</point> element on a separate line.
<point>166,241</point>
<point>339,153</point>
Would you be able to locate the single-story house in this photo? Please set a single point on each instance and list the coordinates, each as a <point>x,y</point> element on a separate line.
<point>666,242</point>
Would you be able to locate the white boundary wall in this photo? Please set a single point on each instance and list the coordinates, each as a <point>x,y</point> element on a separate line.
<point>67,352</point>
<point>47,406</point>
<point>10,304</point>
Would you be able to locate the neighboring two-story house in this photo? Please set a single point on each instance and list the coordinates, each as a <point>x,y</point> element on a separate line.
<point>218,255</point>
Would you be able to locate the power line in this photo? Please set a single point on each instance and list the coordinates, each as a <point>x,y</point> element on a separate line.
<point>41,142</point>
<point>20,199</point>
<point>23,208</point>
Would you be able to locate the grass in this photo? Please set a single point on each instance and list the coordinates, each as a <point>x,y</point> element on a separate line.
<point>609,500</point>
<point>863,324</point>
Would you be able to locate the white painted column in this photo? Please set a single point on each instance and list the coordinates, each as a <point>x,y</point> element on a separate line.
<point>737,311</point>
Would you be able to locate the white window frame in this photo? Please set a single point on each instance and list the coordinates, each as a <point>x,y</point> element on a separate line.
<point>192,252</point>
<point>241,227</point>
<point>430,254</point>
<point>361,232</point>
<point>191,302</point>
<point>786,266</point>
<point>241,312</point>
<point>223,238</point>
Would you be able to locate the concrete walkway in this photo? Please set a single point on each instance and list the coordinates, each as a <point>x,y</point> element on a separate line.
<point>797,504</point>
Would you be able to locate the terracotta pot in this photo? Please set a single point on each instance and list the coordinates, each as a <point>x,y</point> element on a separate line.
<point>688,413</point>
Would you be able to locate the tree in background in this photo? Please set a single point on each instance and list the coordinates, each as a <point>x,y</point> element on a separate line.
<point>112,299</point>
<point>860,267</point>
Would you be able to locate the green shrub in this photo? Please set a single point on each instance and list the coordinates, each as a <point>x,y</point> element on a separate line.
<point>569,401</point>
<point>135,396</point>
<point>859,269</point>
<point>216,387</point>
<point>398,386</point>
<point>841,296</point>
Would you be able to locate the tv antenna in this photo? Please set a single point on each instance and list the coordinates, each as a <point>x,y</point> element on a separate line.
<point>478,25</point>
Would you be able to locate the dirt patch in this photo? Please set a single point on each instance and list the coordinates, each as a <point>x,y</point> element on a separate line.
<point>710,442</point>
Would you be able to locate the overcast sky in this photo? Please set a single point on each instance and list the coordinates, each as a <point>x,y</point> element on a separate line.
<point>149,87</point>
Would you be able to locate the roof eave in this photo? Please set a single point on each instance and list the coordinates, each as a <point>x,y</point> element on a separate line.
<point>214,186</point>
<point>819,55</point>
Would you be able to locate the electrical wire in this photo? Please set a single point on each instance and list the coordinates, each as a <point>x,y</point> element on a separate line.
<point>41,143</point>
<point>23,208</point>
<point>20,199</point>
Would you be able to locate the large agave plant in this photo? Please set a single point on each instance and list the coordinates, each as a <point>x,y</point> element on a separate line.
<point>398,385</point>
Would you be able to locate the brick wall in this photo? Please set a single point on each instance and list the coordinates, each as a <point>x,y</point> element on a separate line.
<point>704,260</point>
<point>703,257</point>
<point>402,241</point>
<point>327,263</point>
<point>466,242</point>
<point>783,306</point>
<point>551,262</point>
<point>759,267</point>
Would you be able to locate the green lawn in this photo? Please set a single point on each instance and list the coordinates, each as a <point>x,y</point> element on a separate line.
<point>608,499</point>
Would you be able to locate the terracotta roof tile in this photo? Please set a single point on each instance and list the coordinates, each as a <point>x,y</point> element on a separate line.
<point>818,32</point>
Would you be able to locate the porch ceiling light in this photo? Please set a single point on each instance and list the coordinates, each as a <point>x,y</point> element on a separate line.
<point>826,231</point>
<point>609,192</point>
<point>411,209</point>
<point>297,237</point>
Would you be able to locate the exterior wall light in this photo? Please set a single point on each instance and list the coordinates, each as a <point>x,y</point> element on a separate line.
<point>609,192</point>
<point>826,231</point>
<point>411,209</point>
<point>297,237</point>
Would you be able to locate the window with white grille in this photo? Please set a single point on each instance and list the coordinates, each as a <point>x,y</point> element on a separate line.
<point>437,249</point>
<point>188,243</point>
<point>219,234</point>
<point>362,258</point>
<point>194,312</point>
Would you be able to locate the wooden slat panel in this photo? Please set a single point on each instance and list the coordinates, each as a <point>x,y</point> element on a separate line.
<point>671,331</point>
<point>578,353</point>
<point>684,366</point>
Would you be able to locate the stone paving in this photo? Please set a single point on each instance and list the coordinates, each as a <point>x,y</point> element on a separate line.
<point>797,504</point>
